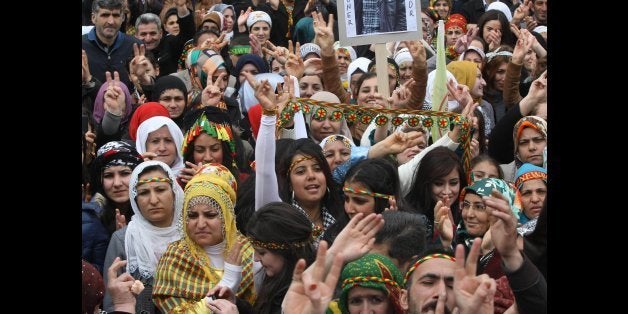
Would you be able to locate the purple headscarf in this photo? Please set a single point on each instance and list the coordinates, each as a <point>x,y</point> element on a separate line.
<point>99,103</point>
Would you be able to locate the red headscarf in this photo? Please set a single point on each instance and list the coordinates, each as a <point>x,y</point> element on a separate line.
<point>143,113</point>
<point>456,20</point>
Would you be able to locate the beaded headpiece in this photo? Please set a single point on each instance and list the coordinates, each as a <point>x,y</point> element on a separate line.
<point>422,260</point>
<point>155,179</point>
<point>366,192</point>
<point>221,131</point>
<point>298,160</point>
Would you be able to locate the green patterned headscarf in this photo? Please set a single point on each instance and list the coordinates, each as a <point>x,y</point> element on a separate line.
<point>485,186</point>
<point>373,271</point>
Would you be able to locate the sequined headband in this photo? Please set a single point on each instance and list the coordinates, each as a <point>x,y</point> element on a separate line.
<point>155,179</point>
<point>344,141</point>
<point>530,176</point>
<point>276,245</point>
<point>423,259</point>
<point>294,163</point>
<point>358,279</point>
<point>366,192</point>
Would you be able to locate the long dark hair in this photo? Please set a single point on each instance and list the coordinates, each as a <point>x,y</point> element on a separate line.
<point>436,164</point>
<point>306,146</point>
<point>281,224</point>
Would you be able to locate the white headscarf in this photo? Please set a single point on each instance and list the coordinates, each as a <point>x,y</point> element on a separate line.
<point>144,243</point>
<point>151,125</point>
<point>502,7</point>
<point>451,104</point>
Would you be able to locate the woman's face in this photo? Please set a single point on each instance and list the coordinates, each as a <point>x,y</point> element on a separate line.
<point>410,152</point>
<point>228,20</point>
<point>533,194</point>
<point>530,146</point>
<point>204,225</point>
<point>500,76</point>
<point>447,186</point>
<point>474,57</point>
<point>358,203</point>
<point>474,215</point>
<point>336,153</point>
<point>452,34</point>
<point>261,30</point>
<point>207,149</point>
<point>173,99</point>
<point>309,85</point>
<point>442,7</point>
<point>492,26</point>
<point>156,199</point>
<point>247,68</point>
<point>276,67</point>
<point>324,128</point>
<point>161,143</point>
<point>529,61</point>
<point>172,25</point>
<point>405,71</point>
<point>367,300</point>
<point>484,169</point>
<point>478,87</point>
<point>366,93</point>
<point>272,262</point>
<point>115,182</point>
<point>307,180</point>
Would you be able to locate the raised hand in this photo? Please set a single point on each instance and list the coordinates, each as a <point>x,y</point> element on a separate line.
<point>256,46</point>
<point>294,64</point>
<point>278,53</point>
<point>215,44</point>
<point>119,287</point>
<point>358,236</point>
<point>324,37</point>
<point>189,171</point>
<point>114,96</point>
<point>474,294</point>
<point>244,15</point>
<point>310,292</point>
<point>443,222</point>
<point>503,230</point>
<point>85,67</point>
<point>494,39</point>
<point>212,94</point>
<point>462,44</point>
<point>310,7</point>
<point>120,220</point>
<point>524,44</point>
<point>401,95</point>
<point>417,50</point>
<point>521,12</point>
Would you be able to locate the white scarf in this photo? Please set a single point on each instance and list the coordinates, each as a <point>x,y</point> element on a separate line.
<point>144,243</point>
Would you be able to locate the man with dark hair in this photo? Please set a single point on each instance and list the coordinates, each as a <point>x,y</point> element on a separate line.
<point>402,238</point>
<point>106,47</point>
<point>167,49</point>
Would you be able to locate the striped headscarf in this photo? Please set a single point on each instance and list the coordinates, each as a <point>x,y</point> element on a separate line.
<point>372,271</point>
<point>184,275</point>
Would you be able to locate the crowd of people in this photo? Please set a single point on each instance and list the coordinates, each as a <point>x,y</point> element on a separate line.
<point>238,159</point>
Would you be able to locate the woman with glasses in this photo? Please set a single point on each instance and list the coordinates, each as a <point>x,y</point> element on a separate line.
<point>475,221</point>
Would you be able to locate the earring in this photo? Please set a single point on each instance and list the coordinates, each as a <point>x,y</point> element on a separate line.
<point>293,195</point>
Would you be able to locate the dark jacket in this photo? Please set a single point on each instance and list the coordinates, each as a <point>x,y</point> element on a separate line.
<point>115,58</point>
<point>170,47</point>
<point>95,236</point>
<point>529,288</point>
<point>393,13</point>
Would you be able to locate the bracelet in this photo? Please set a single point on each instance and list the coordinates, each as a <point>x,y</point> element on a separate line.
<point>269,112</point>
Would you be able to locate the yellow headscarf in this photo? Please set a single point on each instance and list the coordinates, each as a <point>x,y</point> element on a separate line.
<point>465,72</point>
